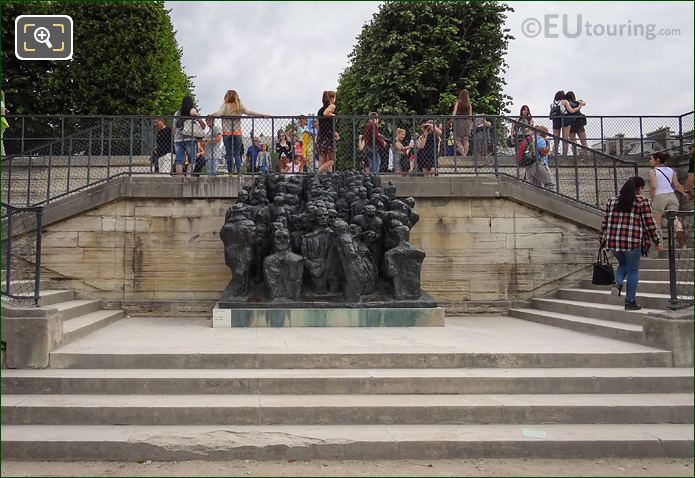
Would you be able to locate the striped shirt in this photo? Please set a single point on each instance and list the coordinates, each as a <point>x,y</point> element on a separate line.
<point>624,231</point>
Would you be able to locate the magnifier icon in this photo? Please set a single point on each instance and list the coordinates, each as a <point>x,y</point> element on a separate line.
<point>42,35</point>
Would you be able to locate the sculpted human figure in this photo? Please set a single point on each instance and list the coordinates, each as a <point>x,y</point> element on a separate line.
<point>279,208</point>
<point>359,271</point>
<point>283,270</point>
<point>358,204</point>
<point>414,216</point>
<point>238,236</point>
<point>403,265</point>
<point>372,230</point>
<point>315,248</point>
<point>262,243</point>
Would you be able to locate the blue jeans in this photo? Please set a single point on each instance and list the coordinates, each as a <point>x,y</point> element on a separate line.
<point>232,153</point>
<point>184,148</point>
<point>212,166</point>
<point>374,159</point>
<point>628,265</point>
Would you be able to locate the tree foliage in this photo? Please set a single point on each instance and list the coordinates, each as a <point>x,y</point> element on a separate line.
<point>126,61</point>
<point>413,58</point>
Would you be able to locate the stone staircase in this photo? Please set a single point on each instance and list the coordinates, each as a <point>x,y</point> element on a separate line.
<point>592,309</point>
<point>80,317</point>
<point>314,402</point>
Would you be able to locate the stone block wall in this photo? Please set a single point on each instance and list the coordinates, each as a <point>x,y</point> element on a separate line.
<point>479,250</point>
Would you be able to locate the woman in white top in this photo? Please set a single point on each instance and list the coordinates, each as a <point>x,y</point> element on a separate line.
<point>231,128</point>
<point>663,182</point>
<point>184,145</point>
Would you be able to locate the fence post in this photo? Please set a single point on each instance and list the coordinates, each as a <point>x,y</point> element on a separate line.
<point>9,180</point>
<point>354,144</point>
<point>576,174</point>
<point>273,137</point>
<point>62,135</point>
<point>475,147</point>
<point>48,182</point>
<point>23,119</point>
<point>8,255</point>
<point>101,148</point>
<point>415,149</point>
<point>603,146</point>
<point>29,181</point>
<point>335,147</point>
<point>89,156</point>
<point>67,186</point>
<point>598,202</point>
<point>494,145</point>
<point>108,158</point>
<point>673,289</point>
<point>558,158</point>
<point>680,134</point>
<point>130,150</point>
<point>392,150</point>
<point>37,259</point>
<point>641,137</point>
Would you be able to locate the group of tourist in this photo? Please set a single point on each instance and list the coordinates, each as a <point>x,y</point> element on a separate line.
<point>632,220</point>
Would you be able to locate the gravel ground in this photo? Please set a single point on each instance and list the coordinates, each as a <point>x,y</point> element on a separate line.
<point>483,467</point>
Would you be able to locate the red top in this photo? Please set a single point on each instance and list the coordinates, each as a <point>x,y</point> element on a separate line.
<point>372,136</point>
<point>624,231</point>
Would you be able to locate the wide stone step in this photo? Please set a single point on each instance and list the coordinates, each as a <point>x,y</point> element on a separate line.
<point>82,325</point>
<point>649,286</point>
<point>344,409</point>
<point>366,442</point>
<point>593,310</point>
<point>130,359</point>
<point>652,301</point>
<point>342,381</point>
<point>75,308</point>
<point>44,284</point>
<point>604,328</point>
<point>680,253</point>
<point>651,263</point>
<point>52,297</point>
<point>660,274</point>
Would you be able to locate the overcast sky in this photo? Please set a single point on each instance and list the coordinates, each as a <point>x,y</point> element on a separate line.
<point>281,56</point>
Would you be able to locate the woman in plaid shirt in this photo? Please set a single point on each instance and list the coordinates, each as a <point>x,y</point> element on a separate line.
<point>626,228</point>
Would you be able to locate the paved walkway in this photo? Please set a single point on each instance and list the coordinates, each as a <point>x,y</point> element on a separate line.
<point>504,335</point>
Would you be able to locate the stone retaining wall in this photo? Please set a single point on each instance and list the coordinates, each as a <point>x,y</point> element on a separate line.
<point>481,251</point>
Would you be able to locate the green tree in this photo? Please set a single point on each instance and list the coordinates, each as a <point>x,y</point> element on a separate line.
<point>413,58</point>
<point>126,61</point>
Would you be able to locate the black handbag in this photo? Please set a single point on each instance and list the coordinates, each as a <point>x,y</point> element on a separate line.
<point>603,270</point>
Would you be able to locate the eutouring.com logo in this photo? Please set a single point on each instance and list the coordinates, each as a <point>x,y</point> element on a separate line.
<point>552,25</point>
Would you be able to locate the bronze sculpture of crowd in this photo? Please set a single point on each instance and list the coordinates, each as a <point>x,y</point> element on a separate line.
<point>329,237</point>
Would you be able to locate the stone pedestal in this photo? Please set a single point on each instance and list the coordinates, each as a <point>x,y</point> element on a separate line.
<point>30,334</point>
<point>671,330</point>
<point>328,317</point>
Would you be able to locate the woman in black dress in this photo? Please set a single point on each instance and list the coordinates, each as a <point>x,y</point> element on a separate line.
<point>326,135</point>
<point>427,147</point>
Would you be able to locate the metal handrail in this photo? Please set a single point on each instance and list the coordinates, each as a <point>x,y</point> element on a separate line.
<point>8,237</point>
<point>677,300</point>
<point>125,145</point>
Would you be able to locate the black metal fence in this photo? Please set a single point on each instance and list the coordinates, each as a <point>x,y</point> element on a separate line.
<point>51,157</point>
<point>680,258</point>
<point>21,253</point>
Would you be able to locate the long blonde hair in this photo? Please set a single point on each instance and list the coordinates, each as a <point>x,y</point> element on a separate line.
<point>232,103</point>
<point>463,104</point>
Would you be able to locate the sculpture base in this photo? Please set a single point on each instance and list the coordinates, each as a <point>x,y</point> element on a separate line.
<point>376,300</point>
<point>328,317</point>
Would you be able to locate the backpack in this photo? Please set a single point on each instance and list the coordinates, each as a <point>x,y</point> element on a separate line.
<point>555,110</point>
<point>526,154</point>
